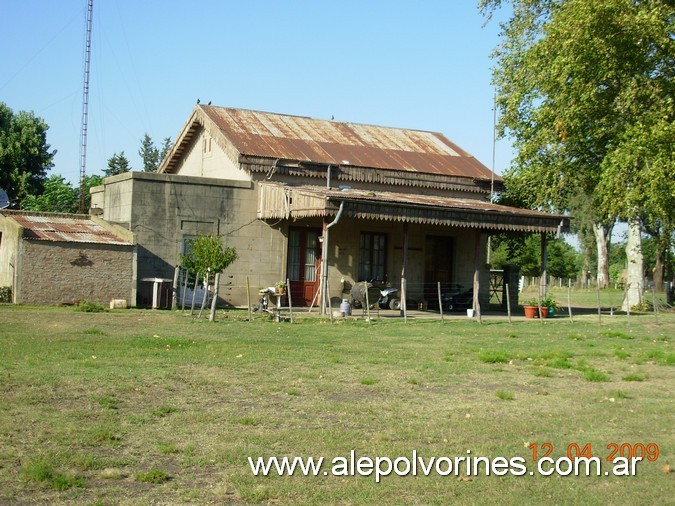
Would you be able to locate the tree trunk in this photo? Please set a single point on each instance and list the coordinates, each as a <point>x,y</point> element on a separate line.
<point>603,234</point>
<point>635,271</point>
<point>585,269</point>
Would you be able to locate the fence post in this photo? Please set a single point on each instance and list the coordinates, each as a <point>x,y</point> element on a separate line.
<point>248,299</point>
<point>597,291</point>
<point>440,301</point>
<point>175,287</point>
<point>508,301</point>
<point>290,302</point>
<point>569,298</point>
<point>216,282</point>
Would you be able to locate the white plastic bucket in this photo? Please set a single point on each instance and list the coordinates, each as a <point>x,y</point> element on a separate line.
<point>469,313</point>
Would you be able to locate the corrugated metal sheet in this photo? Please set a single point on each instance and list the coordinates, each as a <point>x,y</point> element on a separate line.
<point>78,228</point>
<point>279,136</point>
<point>283,202</point>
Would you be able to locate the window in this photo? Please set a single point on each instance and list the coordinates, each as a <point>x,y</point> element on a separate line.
<point>373,257</point>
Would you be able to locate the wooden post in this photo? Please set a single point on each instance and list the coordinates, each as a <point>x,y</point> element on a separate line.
<point>597,291</point>
<point>541,319</point>
<point>248,299</point>
<point>543,265</point>
<point>185,282</point>
<point>569,298</point>
<point>206,292</point>
<point>175,288</point>
<point>404,288</point>
<point>508,301</point>
<point>656,306</point>
<point>212,316</point>
<point>440,301</point>
<point>194,294</point>
<point>365,284</point>
<point>290,302</point>
<point>476,277</point>
<point>330,309</point>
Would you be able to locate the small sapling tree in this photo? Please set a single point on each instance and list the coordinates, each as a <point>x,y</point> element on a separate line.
<point>207,257</point>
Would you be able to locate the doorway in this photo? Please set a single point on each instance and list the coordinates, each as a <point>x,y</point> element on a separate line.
<point>304,264</point>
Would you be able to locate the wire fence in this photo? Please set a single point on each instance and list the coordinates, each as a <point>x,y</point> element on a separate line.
<point>563,298</point>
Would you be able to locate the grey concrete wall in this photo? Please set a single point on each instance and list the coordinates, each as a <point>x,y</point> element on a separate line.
<point>54,272</point>
<point>164,210</point>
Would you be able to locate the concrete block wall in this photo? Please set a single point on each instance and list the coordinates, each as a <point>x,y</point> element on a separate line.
<point>54,272</point>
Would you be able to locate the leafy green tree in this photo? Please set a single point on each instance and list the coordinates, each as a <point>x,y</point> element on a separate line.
<point>525,250</point>
<point>151,155</point>
<point>585,87</point>
<point>59,196</point>
<point>117,164</point>
<point>207,255</point>
<point>166,146</point>
<point>25,156</point>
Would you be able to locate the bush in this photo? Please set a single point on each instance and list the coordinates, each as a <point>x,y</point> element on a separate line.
<point>87,306</point>
<point>6,294</point>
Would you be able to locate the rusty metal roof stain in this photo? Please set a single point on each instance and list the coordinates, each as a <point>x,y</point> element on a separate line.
<point>65,229</point>
<point>414,199</point>
<point>269,135</point>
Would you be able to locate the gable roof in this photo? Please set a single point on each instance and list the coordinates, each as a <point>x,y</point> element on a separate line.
<point>79,228</point>
<point>315,141</point>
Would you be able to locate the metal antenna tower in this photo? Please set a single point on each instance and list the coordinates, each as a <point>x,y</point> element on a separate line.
<point>85,105</point>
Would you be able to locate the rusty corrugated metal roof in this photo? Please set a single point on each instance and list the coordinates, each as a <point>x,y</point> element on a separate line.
<point>395,206</point>
<point>61,228</point>
<point>279,136</point>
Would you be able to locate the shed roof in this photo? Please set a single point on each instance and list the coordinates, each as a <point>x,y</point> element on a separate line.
<point>309,140</point>
<point>278,201</point>
<point>79,228</point>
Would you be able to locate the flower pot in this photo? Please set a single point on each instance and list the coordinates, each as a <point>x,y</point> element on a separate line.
<point>531,311</point>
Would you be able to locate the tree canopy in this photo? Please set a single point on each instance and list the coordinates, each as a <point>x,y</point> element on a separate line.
<point>118,163</point>
<point>585,88</point>
<point>25,156</point>
<point>59,196</point>
<point>151,155</point>
<point>206,254</point>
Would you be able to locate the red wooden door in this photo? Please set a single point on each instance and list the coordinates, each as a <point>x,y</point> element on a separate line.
<point>304,264</point>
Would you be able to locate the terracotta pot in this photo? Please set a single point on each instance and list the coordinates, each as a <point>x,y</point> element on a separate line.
<point>531,311</point>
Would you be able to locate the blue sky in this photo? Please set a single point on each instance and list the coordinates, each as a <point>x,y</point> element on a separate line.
<point>409,64</point>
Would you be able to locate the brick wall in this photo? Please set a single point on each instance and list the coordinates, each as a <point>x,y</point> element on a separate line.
<point>54,272</point>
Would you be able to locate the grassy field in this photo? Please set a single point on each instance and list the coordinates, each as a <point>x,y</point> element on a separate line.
<point>140,407</point>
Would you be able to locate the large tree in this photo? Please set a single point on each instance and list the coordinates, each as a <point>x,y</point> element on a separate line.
<point>118,163</point>
<point>59,196</point>
<point>585,88</point>
<point>25,156</point>
<point>151,155</point>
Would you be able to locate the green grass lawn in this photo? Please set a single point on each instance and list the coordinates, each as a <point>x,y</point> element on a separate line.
<point>140,407</point>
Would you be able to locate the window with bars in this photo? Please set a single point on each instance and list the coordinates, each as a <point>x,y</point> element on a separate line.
<point>373,257</point>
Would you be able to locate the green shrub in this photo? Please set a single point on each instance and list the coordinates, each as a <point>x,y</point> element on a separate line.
<point>6,294</point>
<point>87,306</point>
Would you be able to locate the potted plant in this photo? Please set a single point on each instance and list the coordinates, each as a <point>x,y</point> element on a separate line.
<point>280,287</point>
<point>533,306</point>
<point>550,304</point>
<point>531,309</point>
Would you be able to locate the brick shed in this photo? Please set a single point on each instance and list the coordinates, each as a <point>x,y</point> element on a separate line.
<point>50,258</point>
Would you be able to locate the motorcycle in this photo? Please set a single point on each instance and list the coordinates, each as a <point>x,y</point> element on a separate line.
<point>457,299</point>
<point>384,298</point>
